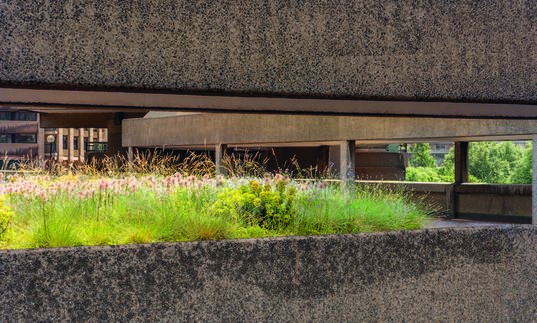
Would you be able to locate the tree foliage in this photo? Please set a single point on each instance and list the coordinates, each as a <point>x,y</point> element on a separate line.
<point>421,156</point>
<point>489,162</point>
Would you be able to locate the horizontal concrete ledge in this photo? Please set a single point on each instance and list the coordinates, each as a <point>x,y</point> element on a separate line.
<point>413,186</point>
<point>498,189</point>
<point>53,99</point>
<point>463,274</point>
<point>264,129</point>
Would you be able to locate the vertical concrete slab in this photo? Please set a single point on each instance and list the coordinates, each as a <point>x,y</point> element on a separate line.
<point>461,174</point>
<point>461,162</point>
<point>220,151</point>
<point>347,161</point>
<point>59,144</point>
<point>40,143</point>
<point>70,145</point>
<point>130,154</point>
<point>115,146</point>
<point>100,135</point>
<point>333,160</point>
<point>534,181</point>
<point>81,148</point>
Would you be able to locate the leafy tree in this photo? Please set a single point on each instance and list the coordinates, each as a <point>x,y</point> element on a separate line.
<point>523,171</point>
<point>493,162</point>
<point>421,156</point>
<point>489,162</point>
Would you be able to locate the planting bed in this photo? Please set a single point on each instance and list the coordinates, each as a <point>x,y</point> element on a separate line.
<point>44,211</point>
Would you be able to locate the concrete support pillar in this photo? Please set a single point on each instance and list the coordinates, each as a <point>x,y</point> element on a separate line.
<point>114,139</point>
<point>41,143</point>
<point>461,162</point>
<point>534,182</point>
<point>130,154</point>
<point>81,148</point>
<point>461,175</point>
<point>59,144</point>
<point>347,161</point>
<point>333,161</point>
<point>220,152</point>
<point>70,145</point>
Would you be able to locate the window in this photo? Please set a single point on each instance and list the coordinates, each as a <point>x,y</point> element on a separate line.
<point>18,138</point>
<point>5,138</point>
<point>25,138</point>
<point>18,116</point>
<point>25,116</point>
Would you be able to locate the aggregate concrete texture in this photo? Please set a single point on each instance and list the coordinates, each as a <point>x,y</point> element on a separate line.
<point>480,274</point>
<point>463,50</point>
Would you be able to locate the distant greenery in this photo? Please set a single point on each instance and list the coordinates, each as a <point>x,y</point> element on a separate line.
<point>421,156</point>
<point>489,162</point>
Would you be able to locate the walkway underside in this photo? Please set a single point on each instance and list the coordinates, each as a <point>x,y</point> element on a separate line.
<point>237,129</point>
<point>254,55</point>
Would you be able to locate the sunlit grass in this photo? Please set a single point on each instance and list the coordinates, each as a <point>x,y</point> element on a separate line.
<point>56,213</point>
<point>150,200</point>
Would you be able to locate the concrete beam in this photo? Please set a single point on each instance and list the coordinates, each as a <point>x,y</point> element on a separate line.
<point>371,49</point>
<point>193,130</point>
<point>92,101</point>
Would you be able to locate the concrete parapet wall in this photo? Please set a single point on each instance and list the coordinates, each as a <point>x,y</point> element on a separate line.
<point>463,50</point>
<point>466,274</point>
<point>510,203</point>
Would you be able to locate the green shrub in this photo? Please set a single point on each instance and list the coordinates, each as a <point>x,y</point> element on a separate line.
<point>426,174</point>
<point>6,218</point>
<point>268,206</point>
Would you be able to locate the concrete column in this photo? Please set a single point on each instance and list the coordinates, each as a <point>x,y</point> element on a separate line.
<point>59,144</point>
<point>114,139</point>
<point>100,135</point>
<point>333,160</point>
<point>81,144</point>
<point>70,145</point>
<point>534,182</point>
<point>347,161</point>
<point>461,162</point>
<point>90,134</point>
<point>41,143</point>
<point>220,152</point>
<point>130,154</point>
<point>461,175</point>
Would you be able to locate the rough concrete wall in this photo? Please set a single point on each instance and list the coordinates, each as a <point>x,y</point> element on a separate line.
<point>427,50</point>
<point>476,274</point>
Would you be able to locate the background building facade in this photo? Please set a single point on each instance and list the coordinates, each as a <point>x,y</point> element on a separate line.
<point>22,138</point>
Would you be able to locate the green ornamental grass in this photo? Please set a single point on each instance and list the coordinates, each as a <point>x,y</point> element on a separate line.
<point>76,210</point>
